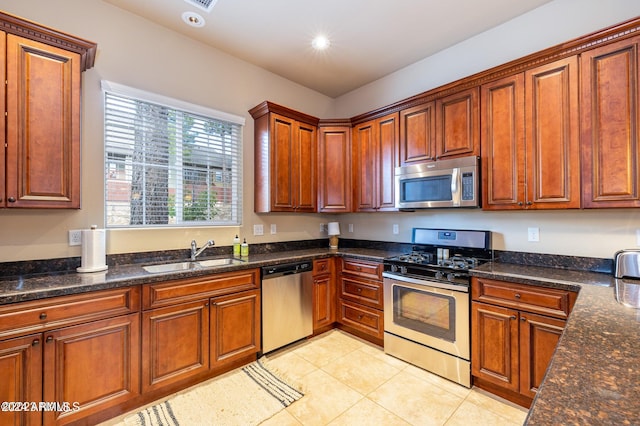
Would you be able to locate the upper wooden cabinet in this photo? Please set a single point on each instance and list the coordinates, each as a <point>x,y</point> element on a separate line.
<point>530,139</point>
<point>285,160</point>
<point>42,133</point>
<point>610,101</point>
<point>446,127</point>
<point>334,164</point>
<point>458,124</point>
<point>375,157</point>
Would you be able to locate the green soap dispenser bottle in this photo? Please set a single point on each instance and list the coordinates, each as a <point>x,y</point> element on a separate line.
<point>236,246</point>
<point>244,248</point>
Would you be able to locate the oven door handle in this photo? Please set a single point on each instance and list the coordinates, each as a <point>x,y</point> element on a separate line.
<point>426,282</point>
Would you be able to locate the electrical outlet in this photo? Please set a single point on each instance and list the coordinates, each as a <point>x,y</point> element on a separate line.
<point>75,237</point>
<point>396,229</point>
<point>533,234</point>
<point>638,237</point>
<point>322,228</point>
<point>258,230</point>
<point>351,227</point>
<point>273,229</point>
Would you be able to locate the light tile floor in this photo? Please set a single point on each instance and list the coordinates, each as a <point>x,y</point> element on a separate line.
<point>348,381</point>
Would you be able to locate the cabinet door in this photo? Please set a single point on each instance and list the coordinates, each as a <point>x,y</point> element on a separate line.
<point>283,141</point>
<point>305,178</point>
<point>494,345</point>
<point>387,161</point>
<point>21,367</point>
<point>334,169</point>
<point>458,124</point>
<point>610,103</point>
<point>3,139</point>
<point>175,344</point>
<point>539,337</point>
<point>552,135</point>
<point>364,166</point>
<point>503,150</point>
<point>96,365</point>
<point>43,125</point>
<point>323,301</point>
<point>235,327</point>
<point>417,134</point>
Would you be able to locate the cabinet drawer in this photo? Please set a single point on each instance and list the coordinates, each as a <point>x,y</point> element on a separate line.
<point>365,319</point>
<point>321,266</point>
<point>56,312</point>
<point>362,291</point>
<point>546,301</point>
<point>362,268</point>
<point>171,292</point>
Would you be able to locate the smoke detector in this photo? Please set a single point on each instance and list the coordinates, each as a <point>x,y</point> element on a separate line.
<point>205,5</point>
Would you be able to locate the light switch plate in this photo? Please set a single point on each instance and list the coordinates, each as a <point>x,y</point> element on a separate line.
<point>273,229</point>
<point>396,229</point>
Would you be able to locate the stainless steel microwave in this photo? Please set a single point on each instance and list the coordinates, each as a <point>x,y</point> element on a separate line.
<point>439,184</point>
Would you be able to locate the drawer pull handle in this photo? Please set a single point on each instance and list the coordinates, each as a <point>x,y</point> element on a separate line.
<point>43,316</point>
<point>49,339</point>
<point>36,342</point>
<point>518,296</point>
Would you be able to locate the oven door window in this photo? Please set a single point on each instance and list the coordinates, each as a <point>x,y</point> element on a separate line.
<point>425,312</point>
<point>433,188</point>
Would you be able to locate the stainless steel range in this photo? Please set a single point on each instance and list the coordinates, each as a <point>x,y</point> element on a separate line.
<point>427,303</point>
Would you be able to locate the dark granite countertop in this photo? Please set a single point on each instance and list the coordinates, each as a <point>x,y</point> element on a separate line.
<point>39,286</point>
<point>594,375</point>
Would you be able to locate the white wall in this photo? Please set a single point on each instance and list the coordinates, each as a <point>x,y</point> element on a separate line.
<point>138,53</point>
<point>572,232</point>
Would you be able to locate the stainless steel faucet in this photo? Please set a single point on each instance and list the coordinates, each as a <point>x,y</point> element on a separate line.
<point>195,251</point>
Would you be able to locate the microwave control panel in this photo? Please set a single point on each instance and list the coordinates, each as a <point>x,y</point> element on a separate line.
<point>467,186</point>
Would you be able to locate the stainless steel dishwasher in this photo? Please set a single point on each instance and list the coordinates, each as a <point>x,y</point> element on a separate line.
<point>287,304</point>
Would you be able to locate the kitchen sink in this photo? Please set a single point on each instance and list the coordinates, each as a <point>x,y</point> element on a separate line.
<point>190,265</point>
<point>219,262</point>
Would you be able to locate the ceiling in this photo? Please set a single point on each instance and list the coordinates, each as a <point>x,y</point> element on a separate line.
<point>369,38</point>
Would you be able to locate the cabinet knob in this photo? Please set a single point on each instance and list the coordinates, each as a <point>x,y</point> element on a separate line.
<point>529,203</point>
<point>512,317</point>
<point>358,268</point>
<point>359,290</point>
<point>517,296</point>
<point>11,199</point>
<point>523,319</point>
<point>520,203</point>
<point>49,339</point>
<point>36,342</point>
<point>43,316</point>
<point>360,316</point>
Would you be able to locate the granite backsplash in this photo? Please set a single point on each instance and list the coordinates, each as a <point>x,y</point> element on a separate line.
<point>48,266</point>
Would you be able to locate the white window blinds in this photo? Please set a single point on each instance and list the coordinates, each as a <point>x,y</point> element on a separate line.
<point>168,163</point>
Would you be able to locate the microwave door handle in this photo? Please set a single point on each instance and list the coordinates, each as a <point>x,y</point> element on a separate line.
<point>455,187</point>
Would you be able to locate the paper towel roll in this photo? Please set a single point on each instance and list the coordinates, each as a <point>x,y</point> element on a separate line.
<point>334,228</point>
<point>93,250</point>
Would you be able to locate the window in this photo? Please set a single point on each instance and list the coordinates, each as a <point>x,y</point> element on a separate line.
<point>169,163</point>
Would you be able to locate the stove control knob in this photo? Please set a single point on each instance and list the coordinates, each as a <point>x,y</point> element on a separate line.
<point>439,275</point>
<point>403,269</point>
<point>451,276</point>
<point>394,268</point>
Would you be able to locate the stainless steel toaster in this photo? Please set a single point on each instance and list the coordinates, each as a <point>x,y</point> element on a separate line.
<point>627,263</point>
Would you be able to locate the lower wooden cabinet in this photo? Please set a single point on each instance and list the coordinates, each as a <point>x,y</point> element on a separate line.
<point>21,367</point>
<point>175,344</point>
<point>86,355</point>
<point>235,327</point>
<point>324,295</point>
<point>512,343</point>
<point>360,301</point>
<point>91,366</point>
<point>194,328</point>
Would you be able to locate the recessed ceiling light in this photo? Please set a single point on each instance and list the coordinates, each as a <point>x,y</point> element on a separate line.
<point>320,42</point>
<point>193,19</point>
